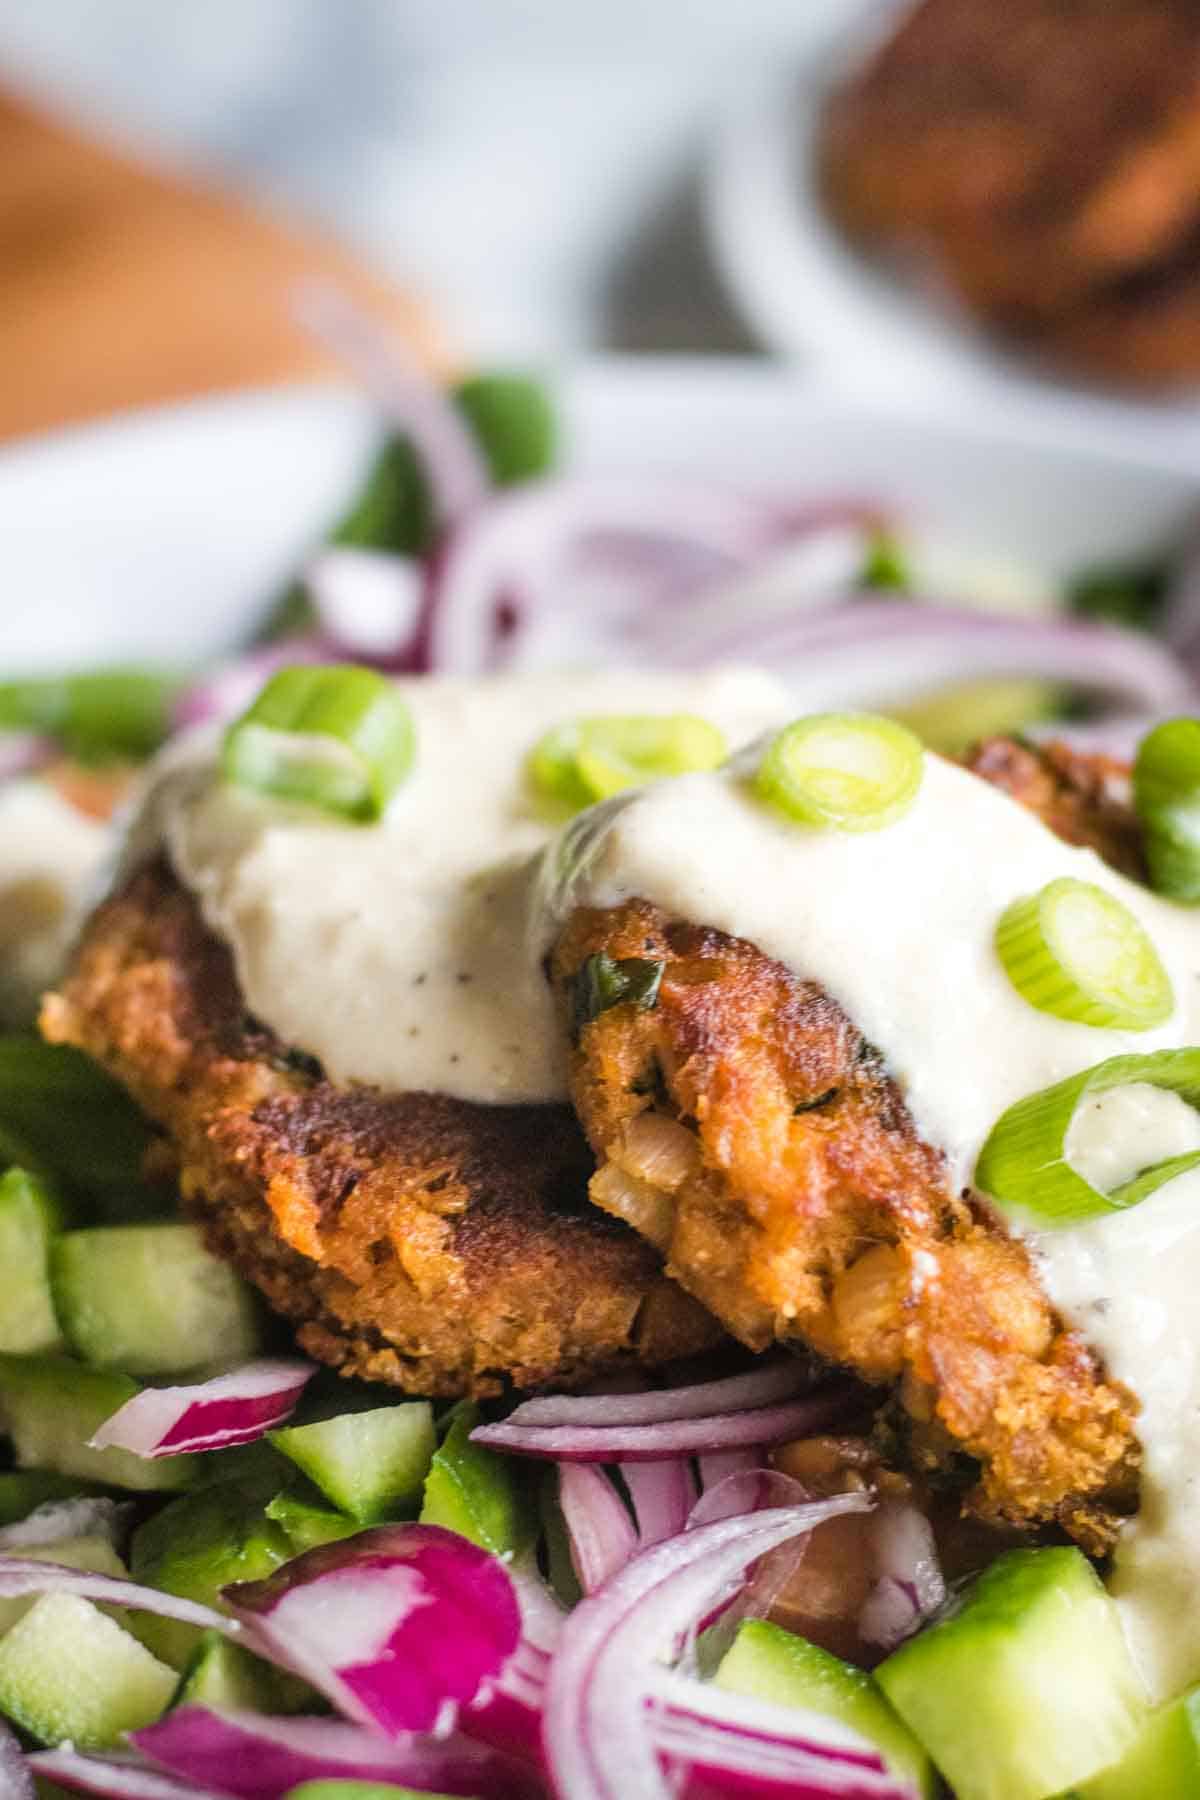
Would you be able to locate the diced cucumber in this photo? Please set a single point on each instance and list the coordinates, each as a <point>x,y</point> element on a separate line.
<point>357,1790</point>
<point>1164,1759</point>
<point>29,1215</point>
<point>221,1674</point>
<point>307,1525</point>
<point>475,1492</point>
<point>370,1464</point>
<point>194,1547</point>
<point>68,1672</point>
<point>94,1553</point>
<point>51,1406</point>
<point>775,1665</point>
<point>150,1300</point>
<point>23,1489</point>
<point>1028,1688</point>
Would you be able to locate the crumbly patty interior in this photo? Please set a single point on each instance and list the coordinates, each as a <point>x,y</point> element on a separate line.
<point>445,1247</point>
<point>746,1128</point>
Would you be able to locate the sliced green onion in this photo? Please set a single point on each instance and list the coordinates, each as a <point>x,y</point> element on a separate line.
<point>107,712</point>
<point>586,760</point>
<point>1075,951</point>
<point>1166,792</point>
<point>1023,1164</point>
<point>603,982</point>
<point>851,771</point>
<point>885,565</point>
<point>513,419</point>
<point>339,738</point>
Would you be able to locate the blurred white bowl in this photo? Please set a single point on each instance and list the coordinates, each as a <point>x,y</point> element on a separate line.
<point>165,534</point>
<point>807,293</point>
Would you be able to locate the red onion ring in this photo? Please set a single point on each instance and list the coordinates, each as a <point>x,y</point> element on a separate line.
<point>16,1778</point>
<point>235,1408</point>
<point>19,1576</point>
<point>601,1533</point>
<point>764,1425</point>
<point>595,1735</point>
<point>777,1379</point>
<point>663,1494</point>
<point>114,1777</point>
<point>405,395</point>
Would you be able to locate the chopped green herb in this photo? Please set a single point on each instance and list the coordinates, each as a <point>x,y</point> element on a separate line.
<point>885,566</point>
<point>1121,593</point>
<point>603,982</point>
<point>513,418</point>
<point>118,712</point>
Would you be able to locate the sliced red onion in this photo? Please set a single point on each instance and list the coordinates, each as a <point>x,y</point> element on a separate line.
<point>663,1494</point>
<point>601,1532</point>
<point>368,602</point>
<point>230,1409</point>
<point>679,1437</point>
<point>875,651</point>
<point>733,1750</point>
<point>509,1716</point>
<point>718,1466</point>
<point>254,1757</point>
<point>23,753</point>
<point>229,689</point>
<point>396,1626</point>
<point>56,1521</point>
<point>542,1617</point>
<point>528,580</point>
<point>16,1779</point>
<point>777,1379</point>
<point>745,1491</point>
<point>409,400</point>
<point>750,1491</point>
<point>910,1586</point>
<point>598,1743</point>
<point>114,1777</point>
<point>19,1576</point>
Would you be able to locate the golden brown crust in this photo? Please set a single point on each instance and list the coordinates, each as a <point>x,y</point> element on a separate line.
<point>1083,796</point>
<point>441,1246</point>
<point>745,1126</point>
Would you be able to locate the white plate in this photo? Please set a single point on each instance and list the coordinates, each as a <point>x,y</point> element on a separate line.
<point>165,534</point>
<point>807,293</point>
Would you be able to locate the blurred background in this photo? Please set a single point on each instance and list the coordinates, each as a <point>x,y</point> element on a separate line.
<point>528,168</point>
<point>998,201</point>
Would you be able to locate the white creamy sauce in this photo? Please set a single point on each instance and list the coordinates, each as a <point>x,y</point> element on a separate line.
<point>400,954</point>
<point>898,925</point>
<point>50,855</point>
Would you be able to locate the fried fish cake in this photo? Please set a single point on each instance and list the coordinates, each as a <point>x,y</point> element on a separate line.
<point>745,1127</point>
<point>439,1245</point>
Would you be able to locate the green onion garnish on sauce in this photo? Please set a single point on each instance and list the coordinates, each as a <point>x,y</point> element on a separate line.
<point>585,760</point>
<point>850,771</point>
<point>1024,1163</point>
<point>339,738</point>
<point>1166,792</point>
<point>1075,951</point>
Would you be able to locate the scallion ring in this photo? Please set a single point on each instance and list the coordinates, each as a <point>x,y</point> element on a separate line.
<point>1075,951</point>
<point>589,759</point>
<point>1166,792</point>
<point>848,771</point>
<point>339,738</point>
<point>1023,1164</point>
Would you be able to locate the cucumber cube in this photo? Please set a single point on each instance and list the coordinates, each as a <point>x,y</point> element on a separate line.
<point>68,1672</point>
<point>1028,1688</point>
<point>150,1300</point>
<point>472,1490</point>
<point>1163,1759</point>
<point>372,1465</point>
<point>771,1664</point>
<point>196,1546</point>
<point>307,1525</point>
<point>93,1553</point>
<point>21,1490</point>
<point>51,1406</point>
<point>28,1217</point>
<point>223,1676</point>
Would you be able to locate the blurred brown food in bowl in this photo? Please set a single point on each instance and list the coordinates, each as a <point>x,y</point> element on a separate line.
<point>120,286</point>
<point>1042,160</point>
